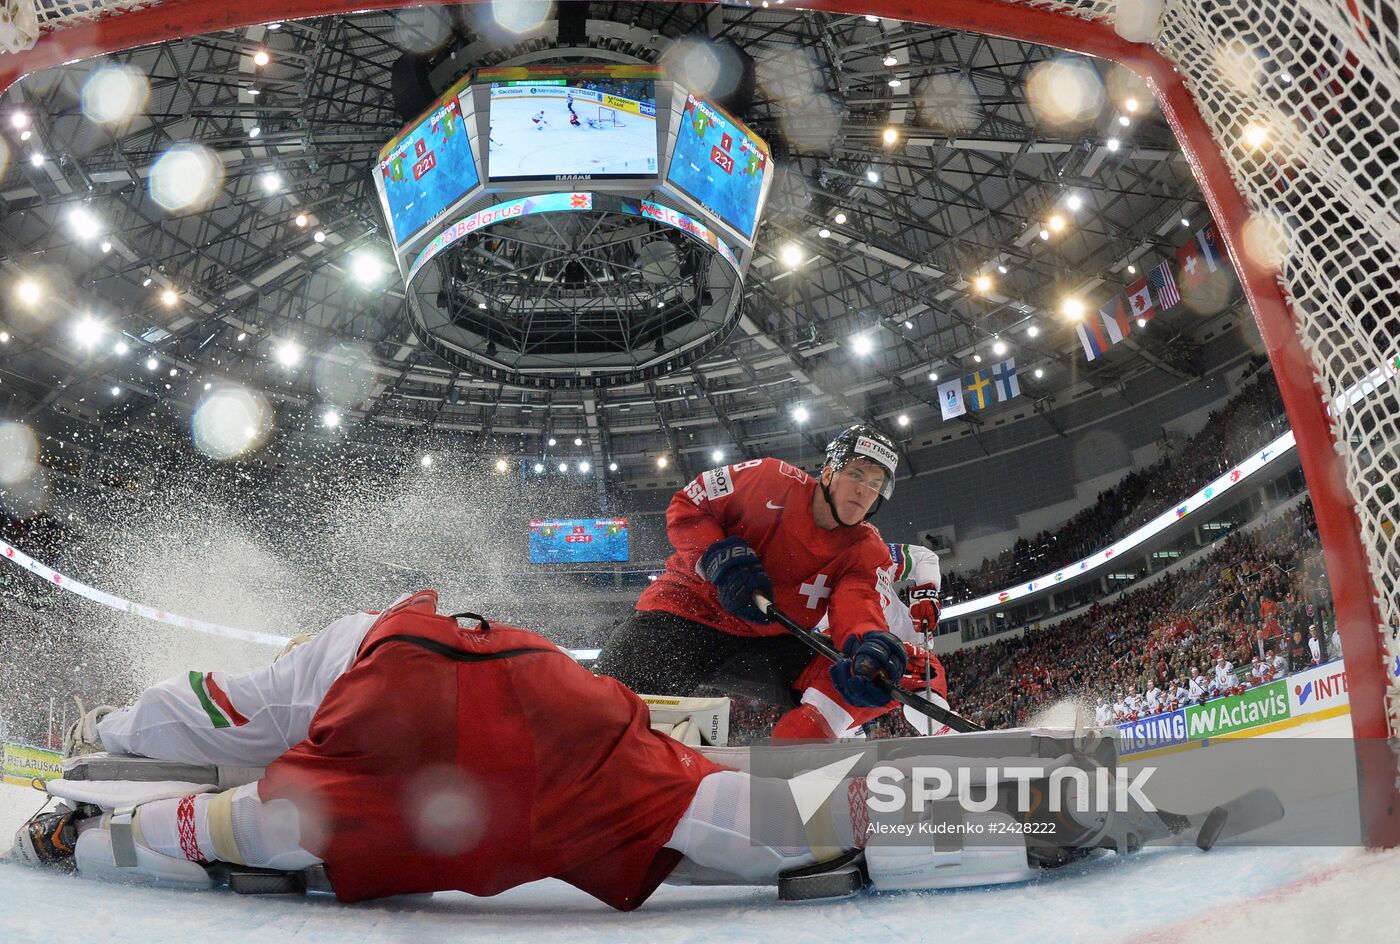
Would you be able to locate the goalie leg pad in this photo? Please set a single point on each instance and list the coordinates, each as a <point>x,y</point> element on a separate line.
<point>96,858</point>
<point>953,863</point>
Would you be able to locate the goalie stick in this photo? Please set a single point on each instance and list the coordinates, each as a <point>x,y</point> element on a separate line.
<point>822,647</point>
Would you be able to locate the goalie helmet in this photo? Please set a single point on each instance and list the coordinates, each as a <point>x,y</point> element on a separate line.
<point>864,442</point>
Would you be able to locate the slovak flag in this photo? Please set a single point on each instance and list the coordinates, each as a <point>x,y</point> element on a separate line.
<point>1209,239</point>
<point>1140,300</point>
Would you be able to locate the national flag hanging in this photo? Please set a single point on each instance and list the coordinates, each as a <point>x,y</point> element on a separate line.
<point>975,392</point>
<point>950,399</point>
<point>1190,265</point>
<point>1004,378</point>
<point>1161,281</point>
<point>1209,238</point>
<point>1140,300</point>
<point>1115,320</point>
<point>1091,336</point>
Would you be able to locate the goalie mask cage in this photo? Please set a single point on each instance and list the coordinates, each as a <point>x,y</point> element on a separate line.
<point>1329,174</point>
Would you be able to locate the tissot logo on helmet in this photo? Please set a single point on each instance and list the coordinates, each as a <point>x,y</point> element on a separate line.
<point>877,451</point>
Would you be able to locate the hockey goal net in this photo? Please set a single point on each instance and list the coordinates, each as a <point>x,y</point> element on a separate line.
<point>1316,188</point>
<point>608,117</point>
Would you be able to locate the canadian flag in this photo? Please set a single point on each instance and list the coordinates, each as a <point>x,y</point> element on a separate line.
<point>1140,300</point>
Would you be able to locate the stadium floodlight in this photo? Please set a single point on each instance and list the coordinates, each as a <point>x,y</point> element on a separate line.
<point>563,467</point>
<point>88,331</point>
<point>116,391</point>
<point>169,297</point>
<point>999,348</point>
<point>331,419</point>
<point>839,218</point>
<point>288,353</point>
<point>1073,308</point>
<point>300,219</point>
<point>152,363</point>
<point>28,292</point>
<point>261,58</point>
<point>83,223</point>
<point>800,414</point>
<point>1074,202</point>
<point>902,419</point>
<point>584,466</point>
<point>790,255</point>
<point>539,468</point>
<point>890,136</point>
<point>501,465</point>
<point>1056,223</point>
<point>662,462</point>
<point>1112,144</point>
<point>933,376</point>
<point>717,455</point>
<point>426,461</point>
<point>1032,331</point>
<point>861,345</point>
<point>1039,373</point>
<point>578,441</point>
<point>612,466</point>
<point>271,183</point>
<point>983,283</point>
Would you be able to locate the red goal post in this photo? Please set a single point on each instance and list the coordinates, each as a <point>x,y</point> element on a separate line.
<point>1325,314</point>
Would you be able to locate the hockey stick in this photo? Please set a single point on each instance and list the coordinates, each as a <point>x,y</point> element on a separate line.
<point>819,644</point>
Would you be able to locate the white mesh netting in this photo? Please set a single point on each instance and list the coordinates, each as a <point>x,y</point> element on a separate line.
<point>1320,77</point>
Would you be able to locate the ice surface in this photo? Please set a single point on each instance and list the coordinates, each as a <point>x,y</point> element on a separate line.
<point>1177,895</point>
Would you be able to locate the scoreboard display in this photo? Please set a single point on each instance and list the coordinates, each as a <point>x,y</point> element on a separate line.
<point>578,541</point>
<point>720,164</point>
<point>429,166</point>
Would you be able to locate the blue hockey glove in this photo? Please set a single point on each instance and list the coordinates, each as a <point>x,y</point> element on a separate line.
<point>737,573</point>
<point>867,657</point>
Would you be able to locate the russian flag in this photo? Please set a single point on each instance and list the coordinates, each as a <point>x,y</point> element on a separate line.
<point>1091,336</point>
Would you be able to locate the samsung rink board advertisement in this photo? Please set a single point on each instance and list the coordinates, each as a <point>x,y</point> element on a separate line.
<point>429,166</point>
<point>720,164</point>
<point>578,541</point>
<point>570,122</point>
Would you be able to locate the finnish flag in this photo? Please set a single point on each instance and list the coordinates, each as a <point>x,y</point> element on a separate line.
<point>1004,377</point>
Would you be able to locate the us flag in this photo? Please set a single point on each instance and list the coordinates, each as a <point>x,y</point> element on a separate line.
<point>1164,286</point>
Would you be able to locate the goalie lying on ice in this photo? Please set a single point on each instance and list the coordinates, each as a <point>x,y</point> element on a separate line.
<point>405,753</point>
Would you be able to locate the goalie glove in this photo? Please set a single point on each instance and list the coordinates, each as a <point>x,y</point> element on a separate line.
<point>924,607</point>
<point>81,736</point>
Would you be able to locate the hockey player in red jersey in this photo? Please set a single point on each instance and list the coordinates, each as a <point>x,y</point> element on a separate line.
<point>764,526</point>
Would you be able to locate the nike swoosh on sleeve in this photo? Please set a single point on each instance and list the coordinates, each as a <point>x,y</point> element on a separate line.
<point>774,507</point>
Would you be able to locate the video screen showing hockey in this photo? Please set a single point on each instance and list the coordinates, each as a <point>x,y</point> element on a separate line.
<point>429,166</point>
<point>913,480</point>
<point>550,125</point>
<point>578,541</point>
<point>719,163</point>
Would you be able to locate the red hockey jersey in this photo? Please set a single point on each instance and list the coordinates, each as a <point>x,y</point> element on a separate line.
<point>768,503</point>
<point>450,758</point>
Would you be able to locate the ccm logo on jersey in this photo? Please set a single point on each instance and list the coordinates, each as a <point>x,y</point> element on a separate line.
<point>877,451</point>
<point>713,484</point>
